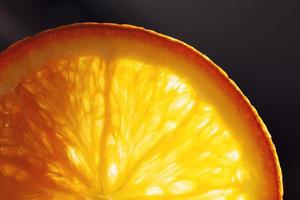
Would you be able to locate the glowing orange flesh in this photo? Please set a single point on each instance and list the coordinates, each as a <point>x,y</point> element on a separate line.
<point>112,115</point>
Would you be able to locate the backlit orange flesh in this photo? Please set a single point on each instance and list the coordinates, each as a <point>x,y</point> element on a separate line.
<point>103,111</point>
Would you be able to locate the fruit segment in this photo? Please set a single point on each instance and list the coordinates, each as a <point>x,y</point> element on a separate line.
<point>51,132</point>
<point>165,141</point>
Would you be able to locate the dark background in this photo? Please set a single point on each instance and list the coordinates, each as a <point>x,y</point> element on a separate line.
<point>255,41</point>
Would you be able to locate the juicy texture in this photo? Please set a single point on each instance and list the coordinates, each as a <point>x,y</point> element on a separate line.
<point>90,130</point>
<point>87,127</point>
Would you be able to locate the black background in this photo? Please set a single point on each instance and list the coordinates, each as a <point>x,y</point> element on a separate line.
<point>255,41</point>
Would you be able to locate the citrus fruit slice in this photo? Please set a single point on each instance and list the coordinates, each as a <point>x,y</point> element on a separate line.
<point>103,111</point>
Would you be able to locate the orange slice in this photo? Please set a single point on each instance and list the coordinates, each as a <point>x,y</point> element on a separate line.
<point>103,111</point>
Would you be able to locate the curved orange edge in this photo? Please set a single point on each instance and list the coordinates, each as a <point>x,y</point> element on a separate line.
<point>30,43</point>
